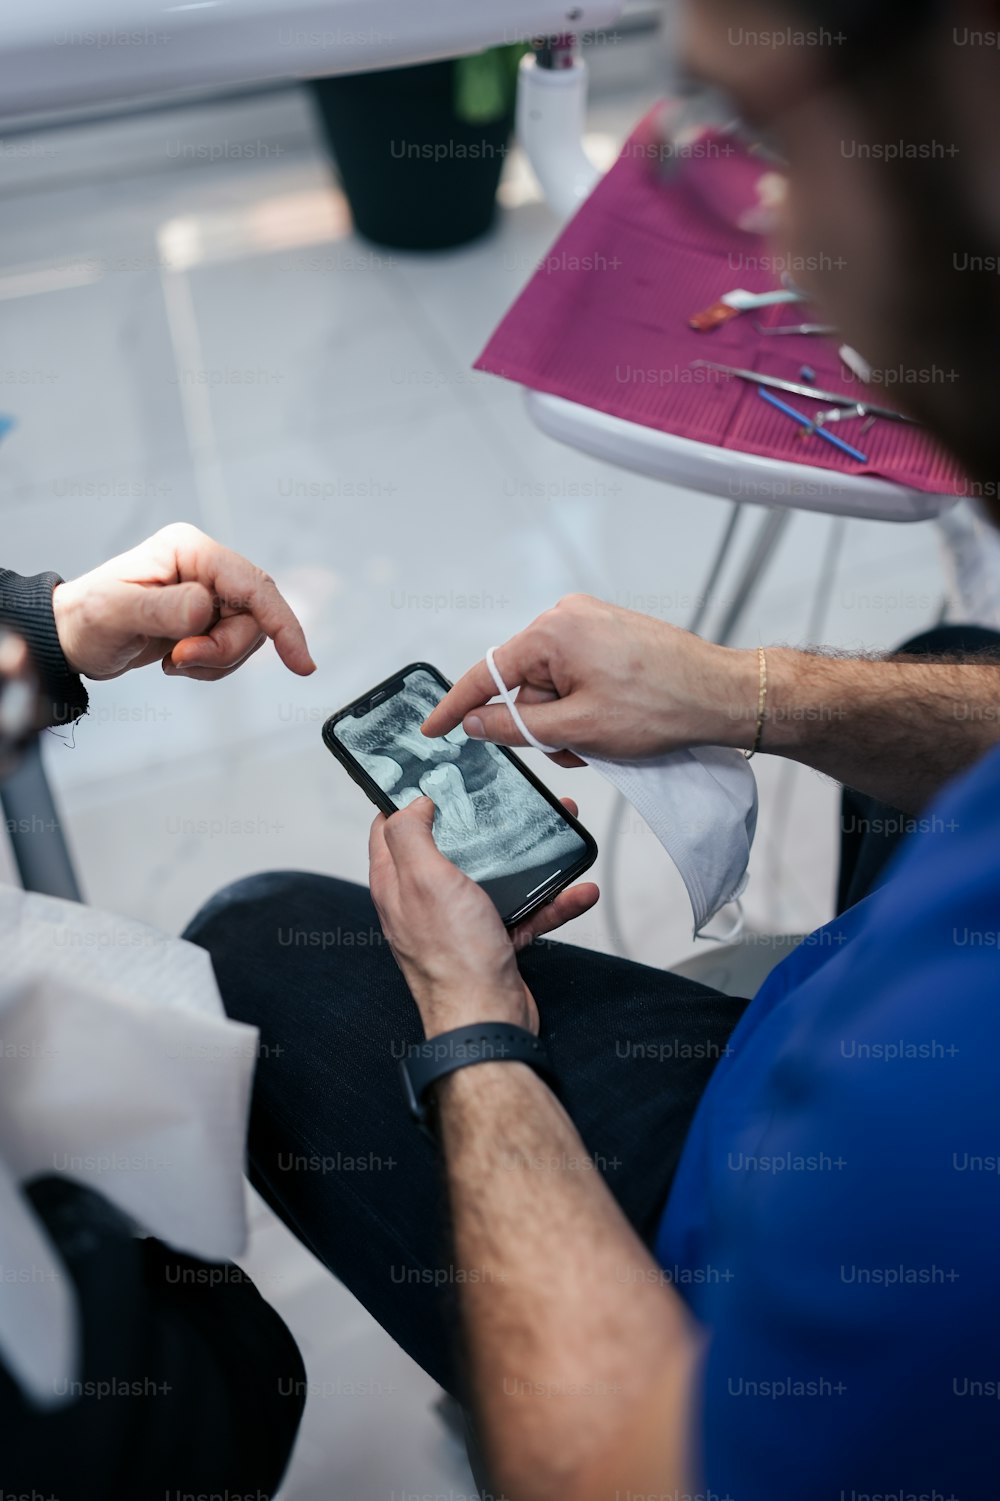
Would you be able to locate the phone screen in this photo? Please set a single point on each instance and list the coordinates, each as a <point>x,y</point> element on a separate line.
<point>491,819</point>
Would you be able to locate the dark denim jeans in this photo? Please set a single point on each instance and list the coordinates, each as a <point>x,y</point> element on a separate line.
<point>188,1384</point>
<point>332,1146</point>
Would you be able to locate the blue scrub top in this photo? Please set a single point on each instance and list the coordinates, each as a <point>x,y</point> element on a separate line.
<point>835,1218</point>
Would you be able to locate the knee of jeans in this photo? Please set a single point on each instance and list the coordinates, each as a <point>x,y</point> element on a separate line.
<point>240,901</point>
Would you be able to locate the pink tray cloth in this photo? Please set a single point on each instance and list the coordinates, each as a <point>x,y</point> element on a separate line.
<point>604,322</point>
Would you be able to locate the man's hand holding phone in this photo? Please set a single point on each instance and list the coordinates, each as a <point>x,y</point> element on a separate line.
<point>457,958</point>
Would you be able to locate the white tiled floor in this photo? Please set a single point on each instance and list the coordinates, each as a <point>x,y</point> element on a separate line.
<point>208,342</point>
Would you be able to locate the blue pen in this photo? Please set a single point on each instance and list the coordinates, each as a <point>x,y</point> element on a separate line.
<point>803,421</point>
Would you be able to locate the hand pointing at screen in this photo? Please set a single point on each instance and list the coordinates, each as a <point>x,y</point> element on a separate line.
<point>178,598</point>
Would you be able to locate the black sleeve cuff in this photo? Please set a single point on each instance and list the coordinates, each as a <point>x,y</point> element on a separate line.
<point>26,608</point>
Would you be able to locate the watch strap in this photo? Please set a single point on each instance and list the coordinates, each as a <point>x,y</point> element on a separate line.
<point>483,1042</point>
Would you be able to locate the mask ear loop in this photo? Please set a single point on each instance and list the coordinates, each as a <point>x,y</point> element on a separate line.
<point>504,693</point>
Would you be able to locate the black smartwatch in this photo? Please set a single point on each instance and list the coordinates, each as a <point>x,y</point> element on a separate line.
<point>485,1042</point>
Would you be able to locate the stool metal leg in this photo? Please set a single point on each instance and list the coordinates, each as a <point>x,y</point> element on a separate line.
<point>769,534</point>
<point>35,828</point>
<point>719,562</point>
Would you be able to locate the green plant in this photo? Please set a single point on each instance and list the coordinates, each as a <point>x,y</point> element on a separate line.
<point>486,84</point>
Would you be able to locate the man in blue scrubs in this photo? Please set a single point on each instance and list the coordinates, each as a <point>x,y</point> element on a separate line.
<point>770,1275</point>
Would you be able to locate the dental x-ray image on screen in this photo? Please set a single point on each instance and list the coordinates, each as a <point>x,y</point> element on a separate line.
<point>490,820</point>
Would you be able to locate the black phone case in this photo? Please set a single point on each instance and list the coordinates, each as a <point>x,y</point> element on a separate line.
<point>385,804</point>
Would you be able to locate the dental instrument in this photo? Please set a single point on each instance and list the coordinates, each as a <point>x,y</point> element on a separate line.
<point>795,388</point>
<point>810,427</point>
<point>795,328</point>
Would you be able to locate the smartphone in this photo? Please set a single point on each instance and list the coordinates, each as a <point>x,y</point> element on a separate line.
<point>493,818</point>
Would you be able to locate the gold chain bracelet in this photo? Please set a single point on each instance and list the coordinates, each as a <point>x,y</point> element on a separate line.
<point>761,704</point>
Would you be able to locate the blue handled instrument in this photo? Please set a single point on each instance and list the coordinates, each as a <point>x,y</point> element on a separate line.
<point>803,421</point>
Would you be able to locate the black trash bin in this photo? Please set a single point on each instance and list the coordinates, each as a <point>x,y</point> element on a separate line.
<point>417,175</point>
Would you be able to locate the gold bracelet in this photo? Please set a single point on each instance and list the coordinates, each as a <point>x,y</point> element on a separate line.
<point>761,705</point>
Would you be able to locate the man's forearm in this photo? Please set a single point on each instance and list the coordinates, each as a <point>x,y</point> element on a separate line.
<point>897,728</point>
<point>581,1357</point>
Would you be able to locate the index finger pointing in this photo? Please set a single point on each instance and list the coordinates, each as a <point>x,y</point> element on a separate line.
<point>243,588</point>
<point>476,687</point>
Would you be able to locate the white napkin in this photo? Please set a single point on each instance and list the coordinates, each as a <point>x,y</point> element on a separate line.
<point>118,1069</point>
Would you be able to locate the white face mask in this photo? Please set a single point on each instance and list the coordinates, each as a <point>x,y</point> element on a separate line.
<point>700,803</point>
